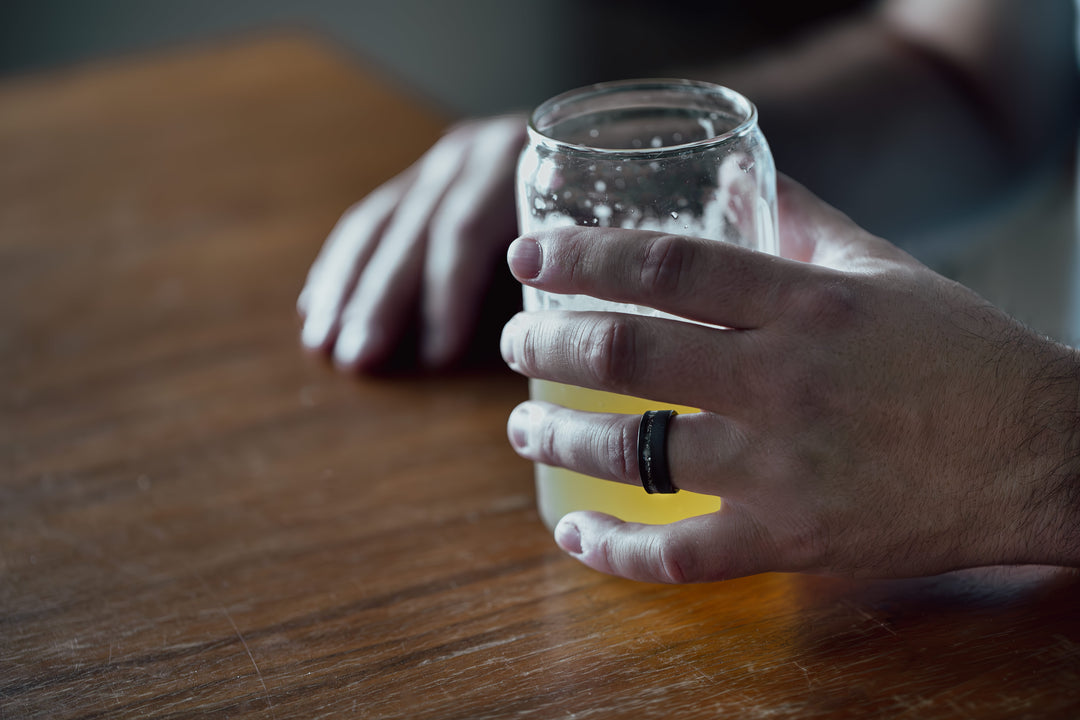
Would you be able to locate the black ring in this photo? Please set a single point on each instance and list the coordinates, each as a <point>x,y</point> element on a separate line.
<point>652,452</point>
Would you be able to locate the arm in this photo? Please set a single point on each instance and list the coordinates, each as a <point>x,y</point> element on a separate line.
<point>920,110</point>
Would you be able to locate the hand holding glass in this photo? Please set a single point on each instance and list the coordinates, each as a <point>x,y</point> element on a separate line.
<point>673,156</point>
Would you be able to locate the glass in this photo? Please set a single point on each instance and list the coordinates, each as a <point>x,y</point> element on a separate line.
<point>668,155</point>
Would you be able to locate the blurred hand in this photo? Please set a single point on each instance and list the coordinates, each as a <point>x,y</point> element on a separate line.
<point>429,241</point>
<point>861,415</point>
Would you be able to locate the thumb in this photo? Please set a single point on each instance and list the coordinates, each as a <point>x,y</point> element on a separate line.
<point>813,231</point>
<point>719,546</point>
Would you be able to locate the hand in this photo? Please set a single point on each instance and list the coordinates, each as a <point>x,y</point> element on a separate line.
<point>861,414</point>
<point>429,239</point>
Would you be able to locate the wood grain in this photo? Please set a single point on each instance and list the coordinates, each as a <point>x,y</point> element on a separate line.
<point>198,519</point>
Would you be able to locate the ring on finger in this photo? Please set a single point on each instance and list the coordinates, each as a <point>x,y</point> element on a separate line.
<point>652,452</point>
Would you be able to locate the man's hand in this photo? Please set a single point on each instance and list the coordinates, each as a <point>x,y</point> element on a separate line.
<point>861,414</point>
<point>431,236</point>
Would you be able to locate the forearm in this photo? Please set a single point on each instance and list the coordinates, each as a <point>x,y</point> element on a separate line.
<point>901,130</point>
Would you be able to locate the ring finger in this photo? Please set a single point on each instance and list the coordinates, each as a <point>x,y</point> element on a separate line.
<point>704,450</point>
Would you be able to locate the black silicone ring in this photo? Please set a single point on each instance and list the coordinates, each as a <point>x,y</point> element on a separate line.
<point>652,452</point>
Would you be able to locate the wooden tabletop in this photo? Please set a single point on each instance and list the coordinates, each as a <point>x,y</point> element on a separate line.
<point>198,518</point>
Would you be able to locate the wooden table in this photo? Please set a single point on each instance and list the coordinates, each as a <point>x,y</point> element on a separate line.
<point>197,518</point>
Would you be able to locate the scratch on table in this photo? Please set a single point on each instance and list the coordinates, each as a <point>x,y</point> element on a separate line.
<point>258,672</point>
<point>805,672</point>
<point>474,648</point>
<point>251,656</point>
<point>875,620</point>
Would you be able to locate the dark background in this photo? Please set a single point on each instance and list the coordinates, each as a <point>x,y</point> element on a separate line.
<point>473,57</point>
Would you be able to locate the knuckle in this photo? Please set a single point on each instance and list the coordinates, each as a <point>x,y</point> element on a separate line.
<point>451,224</point>
<point>526,354</point>
<point>620,452</point>
<point>548,441</point>
<point>605,550</point>
<point>463,225</point>
<point>609,352</point>
<point>800,388</point>
<point>353,210</point>
<point>676,561</point>
<point>664,264</point>
<point>831,305</point>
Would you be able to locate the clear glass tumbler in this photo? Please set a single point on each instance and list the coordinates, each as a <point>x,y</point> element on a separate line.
<point>675,156</point>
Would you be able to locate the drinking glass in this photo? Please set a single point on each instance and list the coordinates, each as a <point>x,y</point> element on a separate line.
<point>676,156</point>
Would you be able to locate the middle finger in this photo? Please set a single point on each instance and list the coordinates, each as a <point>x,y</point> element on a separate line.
<point>654,358</point>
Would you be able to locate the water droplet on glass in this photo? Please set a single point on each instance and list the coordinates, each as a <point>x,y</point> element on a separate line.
<point>601,186</point>
<point>674,215</point>
<point>594,133</point>
<point>657,141</point>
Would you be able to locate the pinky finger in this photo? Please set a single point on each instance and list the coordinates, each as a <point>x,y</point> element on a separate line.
<point>719,546</point>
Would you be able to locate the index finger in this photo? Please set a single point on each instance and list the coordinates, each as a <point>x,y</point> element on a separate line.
<point>703,280</point>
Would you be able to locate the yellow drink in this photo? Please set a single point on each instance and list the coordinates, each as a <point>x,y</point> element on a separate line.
<point>560,491</point>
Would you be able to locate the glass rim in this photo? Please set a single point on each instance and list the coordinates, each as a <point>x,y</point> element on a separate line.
<point>746,113</point>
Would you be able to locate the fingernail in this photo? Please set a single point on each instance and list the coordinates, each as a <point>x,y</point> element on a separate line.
<point>568,537</point>
<point>524,258</point>
<point>522,426</point>
<point>508,341</point>
<point>350,343</point>
<point>316,329</point>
